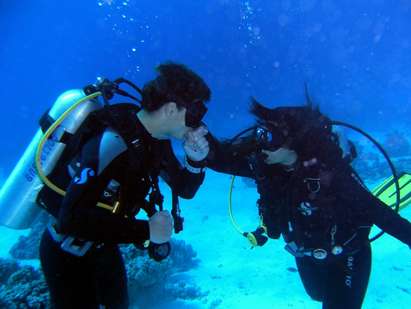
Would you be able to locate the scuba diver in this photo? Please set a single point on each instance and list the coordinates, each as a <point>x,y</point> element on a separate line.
<point>310,194</point>
<point>110,171</point>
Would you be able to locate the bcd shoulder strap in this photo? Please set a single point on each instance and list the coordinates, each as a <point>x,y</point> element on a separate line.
<point>121,117</point>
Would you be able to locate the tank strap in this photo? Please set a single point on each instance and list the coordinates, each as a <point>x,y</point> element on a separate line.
<point>45,121</point>
<point>122,118</point>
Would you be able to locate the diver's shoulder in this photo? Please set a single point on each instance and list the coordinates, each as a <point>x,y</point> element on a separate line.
<point>111,146</point>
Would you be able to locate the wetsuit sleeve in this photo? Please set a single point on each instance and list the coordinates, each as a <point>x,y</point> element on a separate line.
<point>180,179</point>
<point>79,216</point>
<point>379,213</point>
<point>224,158</point>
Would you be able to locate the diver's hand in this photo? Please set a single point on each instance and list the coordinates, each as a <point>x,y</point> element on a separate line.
<point>161,227</point>
<point>159,252</point>
<point>196,145</point>
<point>257,238</point>
<point>282,156</point>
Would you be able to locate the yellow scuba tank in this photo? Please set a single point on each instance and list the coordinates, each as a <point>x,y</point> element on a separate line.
<point>18,195</point>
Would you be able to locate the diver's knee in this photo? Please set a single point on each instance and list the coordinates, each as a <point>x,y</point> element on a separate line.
<point>315,294</point>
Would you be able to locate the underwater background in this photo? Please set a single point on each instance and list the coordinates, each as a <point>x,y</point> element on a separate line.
<point>355,57</point>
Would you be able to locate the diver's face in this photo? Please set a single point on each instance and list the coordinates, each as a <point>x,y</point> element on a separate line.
<point>176,121</point>
<point>282,155</point>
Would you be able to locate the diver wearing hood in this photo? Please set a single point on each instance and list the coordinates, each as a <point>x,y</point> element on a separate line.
<point>310,194</point>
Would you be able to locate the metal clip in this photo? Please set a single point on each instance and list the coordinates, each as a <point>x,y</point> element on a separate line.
<point>75,246</point>
<point>319,254</point>
<point>313,184</point>
<point>54,234</point>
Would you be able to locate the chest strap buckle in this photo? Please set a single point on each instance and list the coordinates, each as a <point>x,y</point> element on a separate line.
<point>69,244</point>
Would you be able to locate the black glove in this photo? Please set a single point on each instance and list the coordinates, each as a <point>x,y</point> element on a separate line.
<point>257,238</point>
<point>159,252</point>
<point>271,220</point>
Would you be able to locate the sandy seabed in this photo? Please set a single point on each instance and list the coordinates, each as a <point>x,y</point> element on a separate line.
<point>232,275</point>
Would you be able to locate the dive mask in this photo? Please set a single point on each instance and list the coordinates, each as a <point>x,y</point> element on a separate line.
<point>257,138</point>
<point>195,112</point>
<point>268,139</point>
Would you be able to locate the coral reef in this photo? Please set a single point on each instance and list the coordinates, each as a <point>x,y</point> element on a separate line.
<point>372,166</point>
<point>150,282</point>
<point>397,144</point>
<point>27,246</point>
<point>7,268</point>
<point>22,287</point>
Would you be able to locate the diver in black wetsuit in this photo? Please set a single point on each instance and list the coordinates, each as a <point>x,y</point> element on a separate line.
<point>310,195</point>
<point>79,253</point>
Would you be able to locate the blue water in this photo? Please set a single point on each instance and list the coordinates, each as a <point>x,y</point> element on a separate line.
<point>354,55</point>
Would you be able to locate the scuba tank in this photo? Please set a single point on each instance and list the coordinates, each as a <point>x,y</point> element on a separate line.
<point>18,208</point>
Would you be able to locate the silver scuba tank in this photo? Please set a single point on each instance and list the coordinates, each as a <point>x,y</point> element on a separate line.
<point>18,207</point>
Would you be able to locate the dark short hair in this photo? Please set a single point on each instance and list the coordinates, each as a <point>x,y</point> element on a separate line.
<point>174,83</point>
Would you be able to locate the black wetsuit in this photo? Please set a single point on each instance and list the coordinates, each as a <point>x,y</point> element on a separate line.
<point>324,215</point>
<point>105,170</point>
